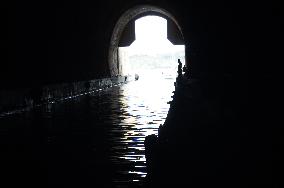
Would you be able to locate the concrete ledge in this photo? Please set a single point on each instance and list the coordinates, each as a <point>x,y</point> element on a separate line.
<point>24,99</point>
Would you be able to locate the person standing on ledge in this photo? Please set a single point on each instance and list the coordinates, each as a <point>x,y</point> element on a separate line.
<point>179,68</point>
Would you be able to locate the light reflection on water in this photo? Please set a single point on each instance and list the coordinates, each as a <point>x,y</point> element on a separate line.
<point>145,106</point>
<point>95,140</point>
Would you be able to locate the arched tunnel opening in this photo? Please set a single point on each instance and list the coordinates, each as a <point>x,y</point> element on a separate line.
<point>124,34</point>
<point>145,47</point>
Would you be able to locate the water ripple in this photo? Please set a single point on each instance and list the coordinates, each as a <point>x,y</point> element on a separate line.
<point>143,108</point>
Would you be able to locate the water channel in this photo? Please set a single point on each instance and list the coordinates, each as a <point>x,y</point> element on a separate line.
<point>90,141</point>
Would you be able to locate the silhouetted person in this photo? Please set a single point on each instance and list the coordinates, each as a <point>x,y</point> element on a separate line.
<point>179,68</point>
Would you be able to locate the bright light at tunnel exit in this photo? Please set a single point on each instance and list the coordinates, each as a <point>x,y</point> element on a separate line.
<point>151,36</point>
<point>151,50</point>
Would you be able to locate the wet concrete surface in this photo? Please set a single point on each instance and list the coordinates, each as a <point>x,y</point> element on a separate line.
<point>90,141</point>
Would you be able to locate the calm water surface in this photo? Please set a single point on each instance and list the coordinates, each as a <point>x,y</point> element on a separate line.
<point>90,141</point>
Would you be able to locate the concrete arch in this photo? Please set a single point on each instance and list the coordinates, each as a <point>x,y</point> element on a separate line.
<point>131,14</point>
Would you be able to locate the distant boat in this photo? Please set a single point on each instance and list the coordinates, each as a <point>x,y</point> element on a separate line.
<point>136,76</point>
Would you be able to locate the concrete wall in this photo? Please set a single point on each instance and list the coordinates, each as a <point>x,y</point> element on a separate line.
<point>24,99</point>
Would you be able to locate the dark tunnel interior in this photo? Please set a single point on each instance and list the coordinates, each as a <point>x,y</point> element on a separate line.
<point>67,114</point>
